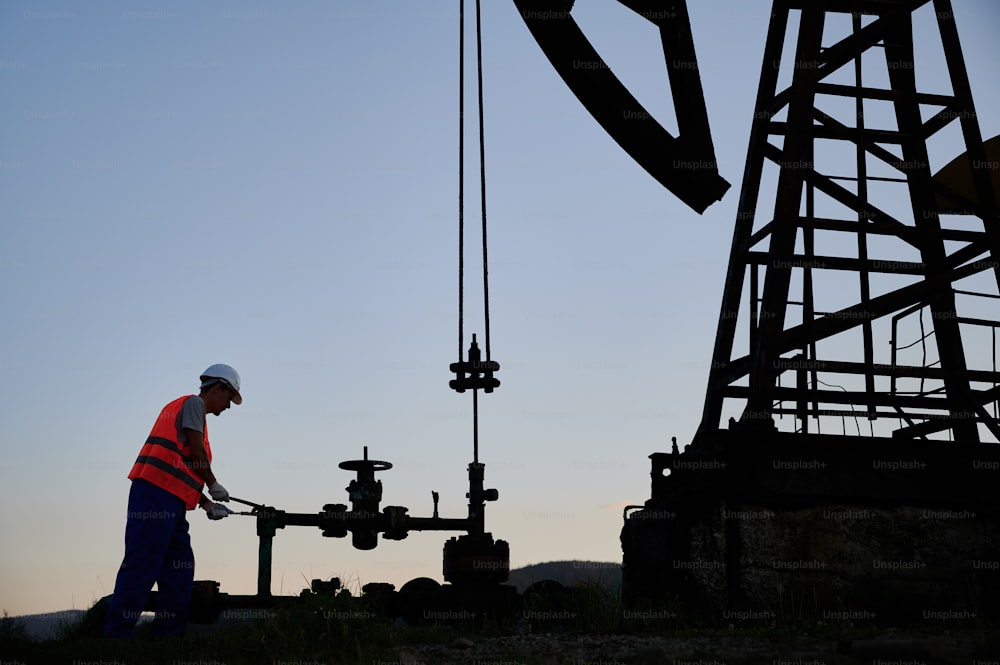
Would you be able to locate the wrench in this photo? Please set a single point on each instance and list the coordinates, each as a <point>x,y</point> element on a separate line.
<point>255,506</point>
<point>246,503</point>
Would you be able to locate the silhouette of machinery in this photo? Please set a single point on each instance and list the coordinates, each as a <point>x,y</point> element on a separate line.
<point>864,257</point>
<point>855,357</point>
<point>830,255</point>
<point>836,260</point>
<point>856,349</point>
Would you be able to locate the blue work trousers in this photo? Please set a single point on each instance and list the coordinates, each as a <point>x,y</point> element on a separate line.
<point>157,550</point>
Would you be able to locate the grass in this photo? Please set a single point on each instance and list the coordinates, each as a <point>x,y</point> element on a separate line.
<point>343,628</point>
<point>316,630</point>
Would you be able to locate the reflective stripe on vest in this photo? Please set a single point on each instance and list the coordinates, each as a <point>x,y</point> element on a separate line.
<point>165,462</point>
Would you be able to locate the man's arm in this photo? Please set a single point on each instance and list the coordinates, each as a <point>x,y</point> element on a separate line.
<point>199,458</point>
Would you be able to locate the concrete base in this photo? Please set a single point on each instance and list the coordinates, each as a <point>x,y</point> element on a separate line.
<point>785,527</point>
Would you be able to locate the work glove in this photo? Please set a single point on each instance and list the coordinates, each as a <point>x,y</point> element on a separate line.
<point>218,492</point>
<point>216,511</point>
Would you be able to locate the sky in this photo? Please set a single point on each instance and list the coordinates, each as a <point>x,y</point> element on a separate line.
<point>275,186</point>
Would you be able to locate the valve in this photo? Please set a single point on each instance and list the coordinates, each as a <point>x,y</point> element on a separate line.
<point>365,493</point>
<point>366,468</point>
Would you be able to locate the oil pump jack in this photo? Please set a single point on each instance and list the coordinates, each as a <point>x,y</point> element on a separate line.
<point>864,278</point>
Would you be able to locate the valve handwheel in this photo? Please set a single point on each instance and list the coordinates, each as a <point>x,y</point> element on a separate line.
<point>365,464</point>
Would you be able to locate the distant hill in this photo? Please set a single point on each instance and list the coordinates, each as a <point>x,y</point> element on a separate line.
<point>607,575</point>
<point>47,626</point>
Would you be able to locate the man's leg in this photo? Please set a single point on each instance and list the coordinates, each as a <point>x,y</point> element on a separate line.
<point>174,584</point>
<point>148,531</point>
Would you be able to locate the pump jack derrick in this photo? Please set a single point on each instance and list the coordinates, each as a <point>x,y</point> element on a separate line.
<point>812,201</point>
<point>818,275</point>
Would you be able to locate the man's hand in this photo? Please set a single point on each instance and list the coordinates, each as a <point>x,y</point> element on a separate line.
<point>216,511</point>
<point>218,492</point>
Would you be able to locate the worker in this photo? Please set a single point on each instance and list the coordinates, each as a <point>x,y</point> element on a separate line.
<point>167,478</point>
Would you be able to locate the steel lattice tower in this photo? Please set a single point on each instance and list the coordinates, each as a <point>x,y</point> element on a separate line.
<point>866,298</point>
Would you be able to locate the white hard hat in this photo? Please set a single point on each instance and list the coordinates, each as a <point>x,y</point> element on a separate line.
<point>226,374</point>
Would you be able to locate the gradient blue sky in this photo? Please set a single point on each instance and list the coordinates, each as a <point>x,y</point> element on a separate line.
<point>274,186</point>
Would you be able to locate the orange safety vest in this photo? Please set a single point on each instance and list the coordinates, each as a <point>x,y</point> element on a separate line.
<point>165,462</point>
